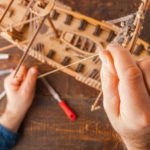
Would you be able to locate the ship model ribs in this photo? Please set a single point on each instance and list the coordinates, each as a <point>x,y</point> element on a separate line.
<point>66,40</point>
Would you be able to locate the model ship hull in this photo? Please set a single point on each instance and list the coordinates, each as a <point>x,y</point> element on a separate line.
<point>80,37</point>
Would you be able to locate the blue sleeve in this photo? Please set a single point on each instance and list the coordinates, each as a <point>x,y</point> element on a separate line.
<point>7,138</point>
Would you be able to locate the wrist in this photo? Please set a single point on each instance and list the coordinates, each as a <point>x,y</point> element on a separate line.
<point>130,145</point>
<point>138,141</point>
<point>11,120</point>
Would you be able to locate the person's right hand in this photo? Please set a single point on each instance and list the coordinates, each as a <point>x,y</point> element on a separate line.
<point>126,91</point>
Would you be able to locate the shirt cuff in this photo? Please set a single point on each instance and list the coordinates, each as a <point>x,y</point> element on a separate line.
<point>9,136</point>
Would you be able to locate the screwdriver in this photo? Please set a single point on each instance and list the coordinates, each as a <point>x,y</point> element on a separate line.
<point>4,56</point>
<point>70,114</point>
<point>5,72</point>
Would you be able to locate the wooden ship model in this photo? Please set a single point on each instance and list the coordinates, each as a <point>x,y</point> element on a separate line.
<point>64,39</point>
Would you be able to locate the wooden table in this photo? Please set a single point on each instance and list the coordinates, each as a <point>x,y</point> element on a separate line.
<point>45,126</point>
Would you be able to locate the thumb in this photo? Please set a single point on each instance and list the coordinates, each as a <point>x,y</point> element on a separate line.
<point>30,80</point>
<point>109,81</point>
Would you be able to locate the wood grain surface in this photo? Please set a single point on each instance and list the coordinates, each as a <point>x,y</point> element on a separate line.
<point>45,126</point>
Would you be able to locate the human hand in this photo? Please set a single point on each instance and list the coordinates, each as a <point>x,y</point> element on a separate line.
<point>126,91</point>
<point>20,92</point>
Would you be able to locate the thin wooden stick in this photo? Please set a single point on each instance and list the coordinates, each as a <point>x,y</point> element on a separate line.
<point>12,46</point>
<point>2,95</point>
<point>7,47</point>
<point>135,36</point>
<point>53,27</point>
<point>94,106</point>
<point>29,46</point>
<point>5,12</point>
<point>140,17</point>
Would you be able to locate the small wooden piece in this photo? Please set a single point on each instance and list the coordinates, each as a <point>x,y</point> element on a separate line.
<point>83,25</point>
<point>42,4</point>
<point>138,50</point>
<point>51,54</point>
<point>39,47</point>
<point>97,30</point>
<point>96,59</point>
<point>111,36</point>
<point>94,73</point>
<point>69,19</point>
<point>16,35</point>
<point>66,61</point>
<point>96,104</point>
<point>54,15</point>
<point>80,67</point>
<point>53,27</point>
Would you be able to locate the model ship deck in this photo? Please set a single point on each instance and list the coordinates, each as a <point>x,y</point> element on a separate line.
<point>79,37</point>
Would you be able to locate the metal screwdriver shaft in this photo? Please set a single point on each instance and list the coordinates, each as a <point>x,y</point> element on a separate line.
<point>70,114</point>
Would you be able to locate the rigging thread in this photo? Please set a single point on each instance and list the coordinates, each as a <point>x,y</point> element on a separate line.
<point>56,70</point>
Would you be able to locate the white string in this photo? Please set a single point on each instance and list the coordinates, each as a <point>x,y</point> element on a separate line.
<point>61,68</point>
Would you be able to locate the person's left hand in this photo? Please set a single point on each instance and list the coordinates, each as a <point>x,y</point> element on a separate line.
<point>20,92</point>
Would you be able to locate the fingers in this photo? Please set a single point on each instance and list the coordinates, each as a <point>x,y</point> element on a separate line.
<point>123,61</point>
<point>14,83</point>
<point>21,73</point>
<point>109,81</point>
<point>30,80</point>
<point>131,82</point>
<point>20,76</point>
<point>145,68</point>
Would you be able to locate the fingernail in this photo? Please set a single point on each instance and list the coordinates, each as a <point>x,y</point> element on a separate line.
<point>34,70</point>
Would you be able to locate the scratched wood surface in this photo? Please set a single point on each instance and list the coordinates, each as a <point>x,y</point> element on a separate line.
<point>45,126</point>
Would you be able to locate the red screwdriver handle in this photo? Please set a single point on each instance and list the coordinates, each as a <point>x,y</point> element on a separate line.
<point>71,115</point>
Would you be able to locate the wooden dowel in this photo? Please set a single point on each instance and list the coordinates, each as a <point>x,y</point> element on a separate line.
<point>135,36</point>
<point>12,46</point>
<point>143,8</point>
<point>7,47</point>
<point>94,106</point>
<point>136,32</point>
<point>29,46</point>
<point>53,27</point>
<point>5,12</point>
